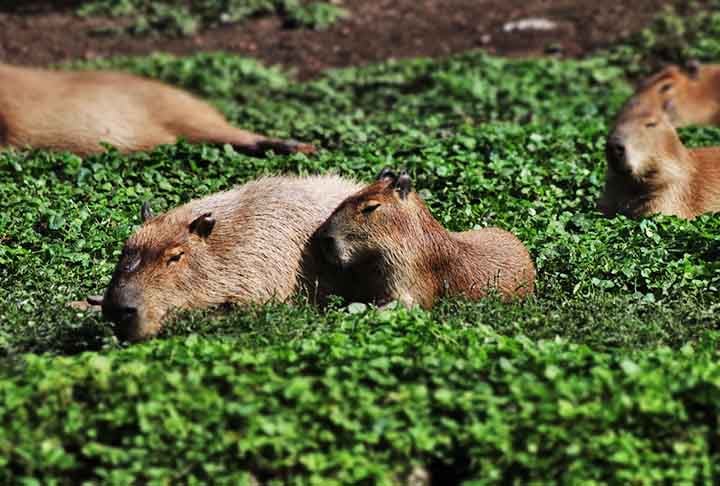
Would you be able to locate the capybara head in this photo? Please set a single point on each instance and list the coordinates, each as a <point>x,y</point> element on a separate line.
<point>160,267</point>
<point>680,92</point>
<point>644,153</point>
<point>369,224</point>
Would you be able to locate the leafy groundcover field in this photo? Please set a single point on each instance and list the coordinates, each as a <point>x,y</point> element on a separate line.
<point>611,373</point>
<point>182,18</point>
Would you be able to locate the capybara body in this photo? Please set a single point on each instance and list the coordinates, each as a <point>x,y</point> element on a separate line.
<point>649,170</point>
<point>246,245</point>
<point>76,111</point>
<point>384,240</point>
<point>688,95</point>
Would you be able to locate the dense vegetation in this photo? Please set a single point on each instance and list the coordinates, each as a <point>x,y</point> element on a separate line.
<point>182,18</point>
<point>610,374</point>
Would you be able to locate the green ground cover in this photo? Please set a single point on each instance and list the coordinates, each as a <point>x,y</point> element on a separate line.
<point>609,374</point>
<point>183,18</point>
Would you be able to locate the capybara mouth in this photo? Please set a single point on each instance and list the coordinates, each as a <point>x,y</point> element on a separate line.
<point>608,210</point>
<point>134,330</point>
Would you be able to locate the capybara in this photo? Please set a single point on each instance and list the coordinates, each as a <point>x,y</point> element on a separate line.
<point>649,170</point>
<point>246,245</point>
<point>384,240</point>
<point>689,95</point>
<point>77,110</point>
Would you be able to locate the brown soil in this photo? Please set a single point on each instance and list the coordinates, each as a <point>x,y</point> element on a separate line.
<point>43,32</point>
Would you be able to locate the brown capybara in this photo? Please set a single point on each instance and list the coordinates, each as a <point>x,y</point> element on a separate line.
<point>688,95</point>
<point>246,245</point>
<point>649,170</point>
<point>384,240</point>
<point>76,111</point>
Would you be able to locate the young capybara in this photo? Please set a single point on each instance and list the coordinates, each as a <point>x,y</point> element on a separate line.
<point>246,245</point>
<point>384,240</point>
<point>76,111</point>
<point>689,95</point>
<point>649,170</point>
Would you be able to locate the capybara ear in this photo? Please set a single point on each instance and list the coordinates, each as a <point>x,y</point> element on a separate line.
<point>145,212</point>
<point>386,173</point>
<point>403,185</point>
<point>692,67</point>
<point>203,225</point>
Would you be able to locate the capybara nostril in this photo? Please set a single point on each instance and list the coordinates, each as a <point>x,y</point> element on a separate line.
<point>127,313</point>
<point>617,154</point>
<point>120,313</point>
<point>327,247</point>
<point>616,146</point>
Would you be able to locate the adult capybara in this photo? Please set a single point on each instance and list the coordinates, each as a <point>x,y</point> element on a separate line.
<point>688,95</point>
<point>649,170</point>
<point>246,245</point>
<point>384,240</point>
<point>76,111</point>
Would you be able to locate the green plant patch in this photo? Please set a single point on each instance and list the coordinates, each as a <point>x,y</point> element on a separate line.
<point>365,401</point>
<point>184,18</point>
<point>607,375</point>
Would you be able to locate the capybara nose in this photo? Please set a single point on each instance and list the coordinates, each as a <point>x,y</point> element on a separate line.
<point>327,248</point>
<point>127,313</point>
<point>616,154</point>
<point>126,318</point>
<point>120,313</point>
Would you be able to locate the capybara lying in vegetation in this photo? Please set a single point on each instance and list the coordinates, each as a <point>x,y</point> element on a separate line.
<point>246,245</point>
<point>76,111</point>
<point>688,95</point>
<point>384,240</point>
<point>649,170</point>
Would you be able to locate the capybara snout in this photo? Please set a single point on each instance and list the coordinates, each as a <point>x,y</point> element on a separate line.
<point>327,246</point>
<point>615,153</point>
<point>122,305</point>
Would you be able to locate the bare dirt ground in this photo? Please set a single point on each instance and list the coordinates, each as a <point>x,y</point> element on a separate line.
<point>42,32</point>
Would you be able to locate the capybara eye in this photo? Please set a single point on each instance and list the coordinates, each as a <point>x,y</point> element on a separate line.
<point>370,208</point>
<point>666,87</point>
<point>176,257</point>
<point>651,124</point>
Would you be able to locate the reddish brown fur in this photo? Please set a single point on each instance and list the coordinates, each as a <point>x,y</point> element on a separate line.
<point>398,251</point>
<point>252,253</point>
<point>688,96</point>
<point>76,111</point>
<point>658,173</point>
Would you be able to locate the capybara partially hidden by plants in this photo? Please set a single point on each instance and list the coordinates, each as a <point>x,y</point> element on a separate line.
<point>649,170</point>
<point>386,242</point>
<point>688,95</point>
<point>246,245</point>
<point>76,111</point>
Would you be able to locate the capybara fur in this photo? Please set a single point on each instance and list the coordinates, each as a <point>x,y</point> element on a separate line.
<point>246,245</point>
<point>384,240</point>
<point>77,110</point>
<point>688,95</point>
<point>649,170</point>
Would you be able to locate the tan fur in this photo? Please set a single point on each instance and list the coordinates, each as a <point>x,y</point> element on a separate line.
<point>660,175</point>
<point>254,253</point>
<point>75,111</point>
<point>400,252</point>
<point>688,96</point>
